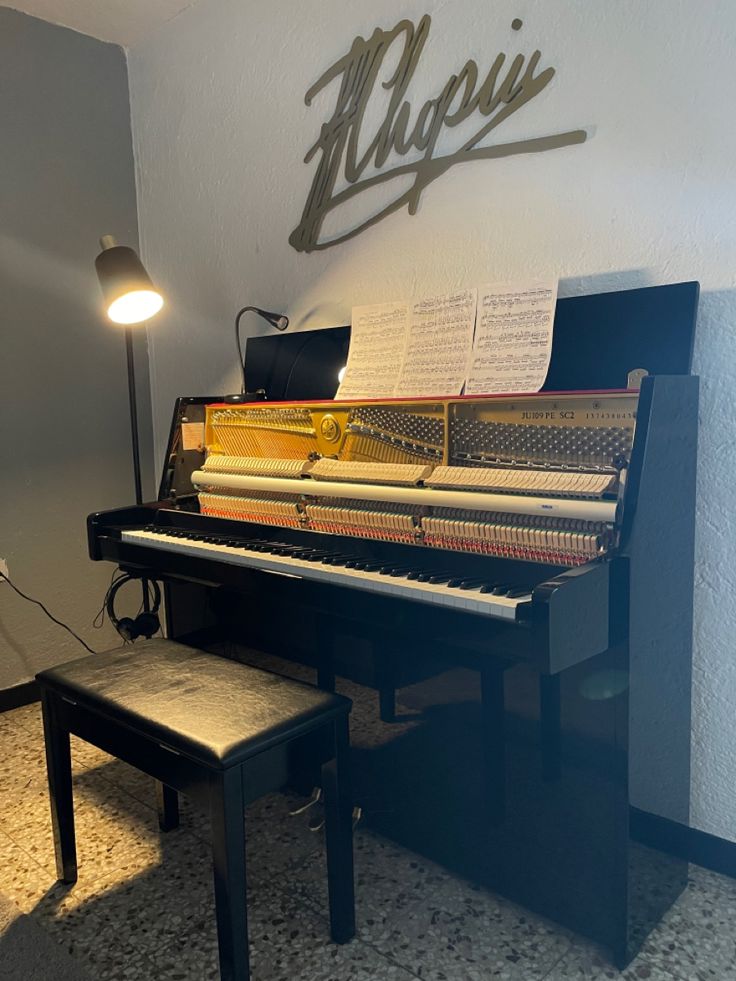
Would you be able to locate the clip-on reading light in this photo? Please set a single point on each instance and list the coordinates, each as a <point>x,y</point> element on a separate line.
<point>277,320</point>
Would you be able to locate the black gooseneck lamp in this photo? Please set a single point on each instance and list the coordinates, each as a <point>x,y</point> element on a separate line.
<point>130,300</point>
<point>277,320</point>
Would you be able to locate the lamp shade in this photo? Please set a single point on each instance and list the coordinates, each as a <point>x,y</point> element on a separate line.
<point>130,296</point>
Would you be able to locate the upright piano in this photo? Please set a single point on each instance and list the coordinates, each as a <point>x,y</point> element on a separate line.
<point>523,563</point>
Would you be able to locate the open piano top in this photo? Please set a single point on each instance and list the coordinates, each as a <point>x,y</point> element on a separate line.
<point>480,505</point>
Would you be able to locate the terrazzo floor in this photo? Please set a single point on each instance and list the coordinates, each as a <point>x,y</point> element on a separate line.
<point>143,906</point>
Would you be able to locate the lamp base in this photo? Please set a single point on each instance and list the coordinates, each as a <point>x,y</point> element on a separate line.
<point>241,397</point>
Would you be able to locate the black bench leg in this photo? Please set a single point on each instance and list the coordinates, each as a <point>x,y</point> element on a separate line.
<point>59,768</point>
<point>227,807</point>
<point>326,673</point>
<point>339,836</point>
<point>167,804</point>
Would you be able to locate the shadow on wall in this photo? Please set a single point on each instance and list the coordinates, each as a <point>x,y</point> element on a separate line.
<point>608,282</point>
<point>333,314</point>
<point>38,268</point>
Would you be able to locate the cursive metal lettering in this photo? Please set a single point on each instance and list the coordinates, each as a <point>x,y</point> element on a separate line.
<point>504,90</point>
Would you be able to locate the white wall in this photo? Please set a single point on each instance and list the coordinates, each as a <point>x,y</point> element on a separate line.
<point>220,131</point>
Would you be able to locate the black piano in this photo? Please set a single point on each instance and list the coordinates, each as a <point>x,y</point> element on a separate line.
<point>522,566</point>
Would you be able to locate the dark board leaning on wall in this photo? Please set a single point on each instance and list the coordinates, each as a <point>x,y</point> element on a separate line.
<point>598,339</point>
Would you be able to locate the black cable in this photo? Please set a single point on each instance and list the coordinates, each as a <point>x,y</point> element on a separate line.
<point>49,615</point>
<point>151,597</point>
<point>273,319</point>
<point>99,620</point>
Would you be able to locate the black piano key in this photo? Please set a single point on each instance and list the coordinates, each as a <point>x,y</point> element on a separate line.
<point>346,560</point>
<point>428,573</point>
<point>518,591</point>
<point>501,589</point>
<point>462,582</point>
<point>472,583</point>
<point>488,587</point>
<point>438,578</point>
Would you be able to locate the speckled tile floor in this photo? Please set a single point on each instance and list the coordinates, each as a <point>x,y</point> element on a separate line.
<point>143,906</point>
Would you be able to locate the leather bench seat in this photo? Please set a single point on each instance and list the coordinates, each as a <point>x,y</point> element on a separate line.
<point>214,710</point>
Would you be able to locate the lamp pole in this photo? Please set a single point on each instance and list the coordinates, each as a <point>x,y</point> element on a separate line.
<point>132,399</point>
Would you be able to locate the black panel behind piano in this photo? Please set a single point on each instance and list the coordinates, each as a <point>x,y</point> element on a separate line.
<point>297,366</point>
<point>598,339</point>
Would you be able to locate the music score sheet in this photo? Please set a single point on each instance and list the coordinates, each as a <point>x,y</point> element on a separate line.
<point>513,338</point>
<point>438,343</point>
<point>377,344</point>
<point>498,342</point>
<point>403,350</point>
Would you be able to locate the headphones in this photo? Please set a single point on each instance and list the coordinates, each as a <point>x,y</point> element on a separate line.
<point>146,624</point>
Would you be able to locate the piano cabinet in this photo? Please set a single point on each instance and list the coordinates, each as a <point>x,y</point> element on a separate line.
<point>547,737</point>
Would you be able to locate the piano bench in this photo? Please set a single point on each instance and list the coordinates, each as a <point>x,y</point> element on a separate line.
<point>222,732</point>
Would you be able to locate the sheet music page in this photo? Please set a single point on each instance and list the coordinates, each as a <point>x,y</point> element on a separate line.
<point>377,342</point>
<point>513,338</point>
<point>438,345</point>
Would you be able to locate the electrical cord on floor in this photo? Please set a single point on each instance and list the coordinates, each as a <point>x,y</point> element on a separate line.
<point>49,615</point>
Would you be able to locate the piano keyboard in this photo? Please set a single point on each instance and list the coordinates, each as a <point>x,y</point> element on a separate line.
<point>319,565</point>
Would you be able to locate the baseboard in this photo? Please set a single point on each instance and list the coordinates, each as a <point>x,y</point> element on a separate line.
<point>13,698</point>
<point>690,844</point>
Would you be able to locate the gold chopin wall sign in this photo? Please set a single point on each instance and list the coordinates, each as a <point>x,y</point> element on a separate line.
<point>504,90</point>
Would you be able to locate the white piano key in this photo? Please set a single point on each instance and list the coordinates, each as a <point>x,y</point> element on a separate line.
<point>498,607</point>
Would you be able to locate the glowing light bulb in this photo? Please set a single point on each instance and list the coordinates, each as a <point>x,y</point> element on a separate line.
<point>135,307</point>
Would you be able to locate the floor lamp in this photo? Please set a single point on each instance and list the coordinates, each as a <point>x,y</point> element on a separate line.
<point>130,300</point>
